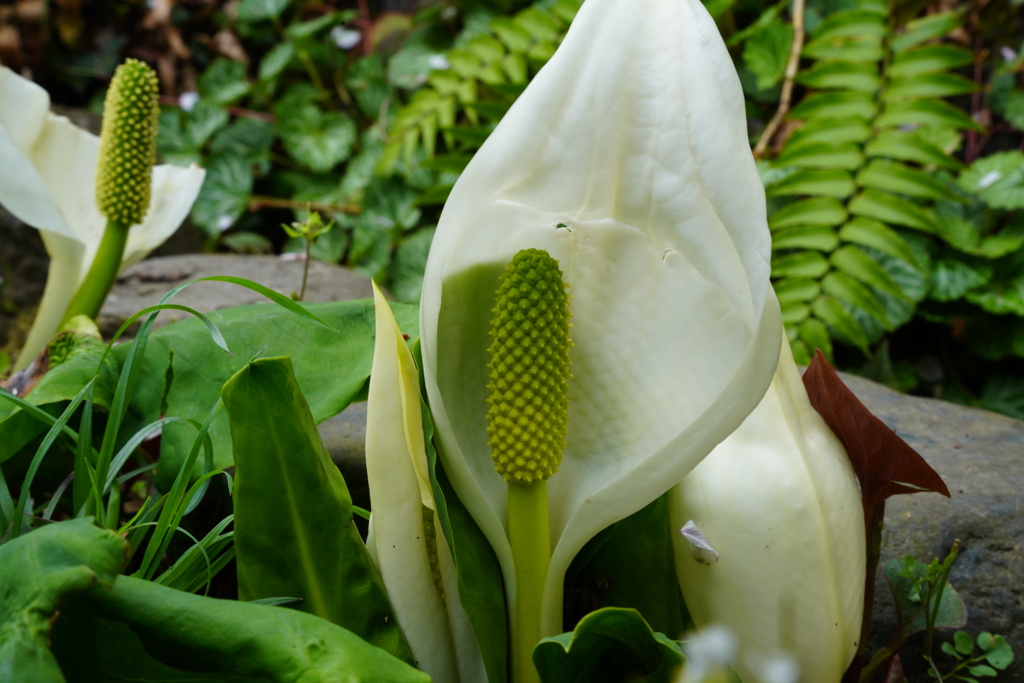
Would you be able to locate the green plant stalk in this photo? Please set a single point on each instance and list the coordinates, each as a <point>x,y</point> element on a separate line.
<point>530,538</point>
<point>90,295</point>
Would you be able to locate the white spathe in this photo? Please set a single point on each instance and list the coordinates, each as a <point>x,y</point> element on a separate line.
<point>627,159</point>
<point>779,502</point>
<point>47,180</point>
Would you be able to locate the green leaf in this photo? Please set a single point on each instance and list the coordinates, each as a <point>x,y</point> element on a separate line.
<point>608,646</point>
<point>276,59</point>
<point>830,131</point>
<point>895,177</point>
<point>853,22</point>
<point>294,530</point>
<point>223,82</point>
<point>259,10</point>
<point>905,145</point>
<point>225,193</point>
<point>854,262</point>
<point>997,651</point>
<point>805,264</point>
<point>998,179</point>
<point>819,237</point>
<point>246,138</point>
<point>929,85</point>
<point>845,288</point>
<point>911,615</point>
<point>814,333</point>
<point>766,52</point>
<point>406,273</point>
<point>839,105</point>
<point>793,312</point>
<point>821,155</point>
<point>815,182</point>
<point>859,48</point>
<point>1003,394</point>
<point>797,290</point>
<point>927,112</point>
<point>926,28</point>
<point>813,211</point>
<point>850,76</point>
<point>890,208</point>
<point>268,643</point>
<point>320,140</point>
<point>964,644</point>
<point>871,233</point>
<point>829,311</point>
<point>38,571</point>
<point>929,59</point>
<point>952,279</point>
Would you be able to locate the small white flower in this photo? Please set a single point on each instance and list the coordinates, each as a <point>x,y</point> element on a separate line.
<point>187,100</point>
<point>346,38</point>
<point>438,62</point>
<point>225,222</point>
<point>710,650</point>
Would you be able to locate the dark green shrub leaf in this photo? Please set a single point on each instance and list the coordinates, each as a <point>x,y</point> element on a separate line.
<point>927,112</point>
<point>819,237</point>
<point>832,313</point>
<point>830,131</point>
<point>847,76</point>
<point>224,195</point>
<point>853,22</point>
<point>998,179</point>
<point>821,155</point>
<point>952,279</point>
<point>223,82</point>
<point>872,233</point>
<point>929,59</point>
<point>840,105</point>
<point>887,175</point>
<point>929,85</point>
<point>854,262</point>
<point>892,209</point>
<point>845,288</point>
<point>258,10</point>
<point>275,61</point>
<point>926,28</point>
<point>805,264</point>
<point>813,211</point>
<point>815,182</point>
<point>859,48</point>
<point>765,53</point>
<point>908,146</point>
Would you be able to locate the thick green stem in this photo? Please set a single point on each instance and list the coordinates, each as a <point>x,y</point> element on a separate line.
<point>530,538</point>
<point>93,291</point>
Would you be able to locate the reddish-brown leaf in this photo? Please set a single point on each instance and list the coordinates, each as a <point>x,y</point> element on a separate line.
<point>884,463</point>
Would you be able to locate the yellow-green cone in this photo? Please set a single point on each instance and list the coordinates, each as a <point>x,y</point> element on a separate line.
<point>527,399</point>
<point>128,144</point>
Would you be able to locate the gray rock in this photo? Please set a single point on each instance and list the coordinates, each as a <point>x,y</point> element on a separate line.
<point>980,455</point>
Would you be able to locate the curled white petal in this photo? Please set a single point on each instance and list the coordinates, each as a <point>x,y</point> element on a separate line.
<point>781,502</point>
<point>700,549</point>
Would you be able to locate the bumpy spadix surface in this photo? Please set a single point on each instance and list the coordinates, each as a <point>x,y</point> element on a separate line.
<point>779,502</point>
<point>128,144</point>
<point>48,179</point>
<point>627,160</point>
<point>527,403</point>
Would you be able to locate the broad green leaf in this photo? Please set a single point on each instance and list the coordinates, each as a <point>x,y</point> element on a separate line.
<point>37,571</point>
<point>829,311</point>
<point>911,615</point>
<point>852,261</point>
<point>294,530</point>
<point>929,85</point>
<point>223,82</point>
<point>929,59</point>
<point>815,182</point>
<point>766,52</point>
<point>821,155</point>
<point>274,644</point>
<point>854,22</point>
<point>997,651</point>
<point>845,288</point>
<point>830,131</point>
<point>813,211</point>
<point>814,333</point>
<point>317,139</point>
<point>952,279</point>
<point>890,208</point>
<point>797,290</point>
<point>872,233</point>
<point>998,179</point>
<point>406,272</point>
<point>908,146</point>
<point>276,59</point>
<point>608,646</point>
<point>819,237</point>
<point>332,364</point>
<point>225,193</point>
<point>258,10</point>
<point>848,76</point>
<point>805,264</point>
<point>794,312</point>
<point>859,48</point>
<point>926,28</point>
<point>512,34</point>
<point>926,112</point>
<point>246,138</point>
<point>839,105</point>
<point>895,177</point>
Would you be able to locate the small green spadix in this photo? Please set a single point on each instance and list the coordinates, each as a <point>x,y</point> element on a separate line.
<point>527,402</point>
<point>128,144</point>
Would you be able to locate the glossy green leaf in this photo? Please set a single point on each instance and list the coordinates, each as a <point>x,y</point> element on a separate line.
<point>608,646</point>
<point>929,85</point>
<point>952,279</point>
<point>813,211</point>
<point>821,155</point>
<point>859,48</point>
<point>805,264</point>
<point>908,146</point>
<point>926,28</point>
<point>832,313</point>
<point>839,105</point>
<point>929,59</point>
<point>891,176</point>
<point>830,131</point>
<point>39,570</point>
<point>854,22</point>
<point>849,76</point>
<point>998,179</point>
<point>814,182</point>
<point>294,530</point>
<point>819,237</point>
<point>926,112</point>
<point>225,193</point>
<point>890,208</point>
<point>854,262</point>
<point>275,644</point>
<point>845,288</point>
<point>872,233</point>
<point>797,290</point>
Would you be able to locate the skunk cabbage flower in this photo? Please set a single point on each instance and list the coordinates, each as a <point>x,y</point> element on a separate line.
<point>47,180</point>
<point>627,160</point>
<point>779,503</point>
<point>406,540</point>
